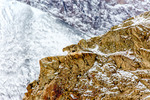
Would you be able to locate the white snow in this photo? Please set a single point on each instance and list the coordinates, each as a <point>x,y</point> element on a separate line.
<point>140,20</point>
<point>147,97</point>
<point>95,50</point>
<point>88,91</point>
<point>73,96</point>
<point>141,86</point>
<point>92,69</point>
<point>27,35</point>
<point>127,53</point>
<point>91,82</point>
<point>148,50</point>
<point>142,71</point>
<point>127,75</point>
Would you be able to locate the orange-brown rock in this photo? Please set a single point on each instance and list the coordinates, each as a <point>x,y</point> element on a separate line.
<point>114,66</point>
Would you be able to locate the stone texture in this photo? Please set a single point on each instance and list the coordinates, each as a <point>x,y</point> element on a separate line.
<point>114,66</point>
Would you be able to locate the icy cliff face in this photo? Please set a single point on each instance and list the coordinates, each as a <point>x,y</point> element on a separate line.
<point>26,36</point>
<point>93,17</point>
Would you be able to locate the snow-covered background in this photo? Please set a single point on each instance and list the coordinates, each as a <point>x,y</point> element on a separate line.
<point>93,17</point>
<point>28,34</point>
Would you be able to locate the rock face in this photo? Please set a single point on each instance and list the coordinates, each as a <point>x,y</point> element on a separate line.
<point>114,66</point>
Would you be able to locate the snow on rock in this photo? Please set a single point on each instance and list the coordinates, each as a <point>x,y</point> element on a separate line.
<point>113,66</point>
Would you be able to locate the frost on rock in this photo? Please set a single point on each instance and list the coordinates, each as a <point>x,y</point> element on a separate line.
<point>113,66</point>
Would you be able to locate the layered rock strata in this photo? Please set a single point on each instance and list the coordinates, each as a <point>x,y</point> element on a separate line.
<point>114,66</point>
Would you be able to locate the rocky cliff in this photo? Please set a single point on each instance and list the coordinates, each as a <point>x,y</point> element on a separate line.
<point>114,66</point>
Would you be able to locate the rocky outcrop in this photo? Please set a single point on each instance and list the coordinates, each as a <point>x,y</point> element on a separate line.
<point>114,66</point>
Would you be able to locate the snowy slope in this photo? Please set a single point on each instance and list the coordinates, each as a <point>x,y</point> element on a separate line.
<point>26,36</point>
<point>93,17</point>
